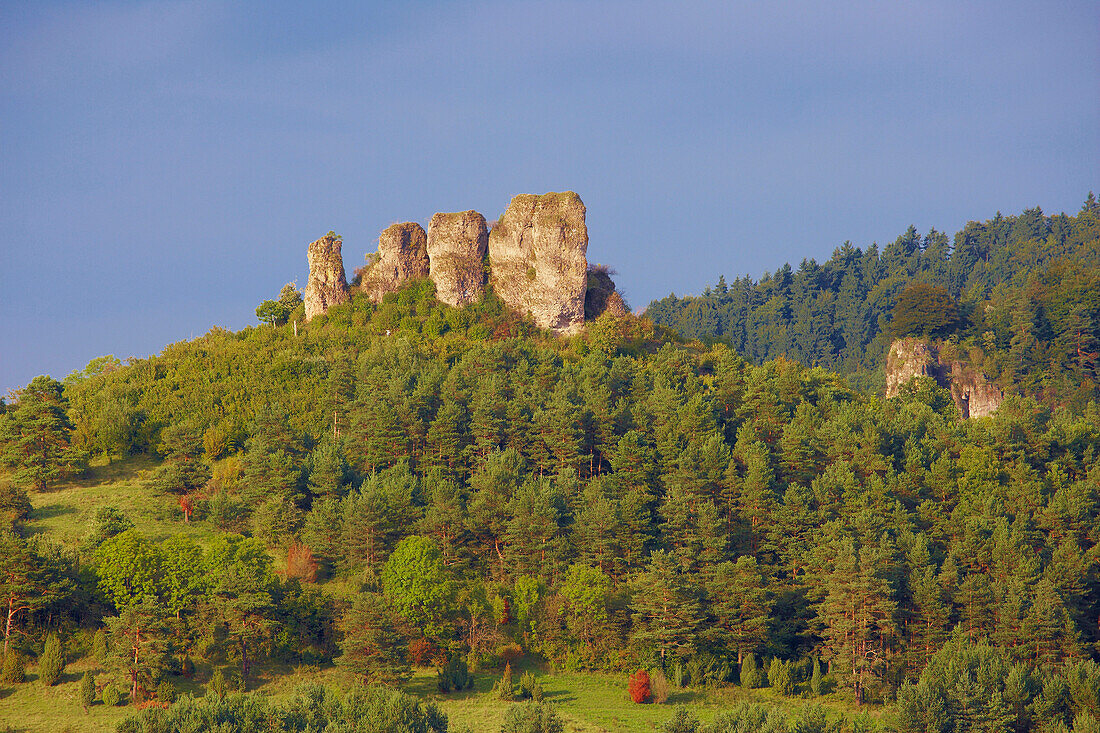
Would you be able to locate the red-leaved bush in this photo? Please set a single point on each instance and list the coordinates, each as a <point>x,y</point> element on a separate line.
<point>638,687</point>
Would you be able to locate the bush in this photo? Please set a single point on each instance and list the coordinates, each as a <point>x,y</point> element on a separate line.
<point>15,668</point>
<point>99,646</point>
<point>113,695</point>
<point>166,692</point>
<point>750,673</point>
<point>532,717</point>
<point>779,677</point>
<point>683,721</point>
<point>52,662</point>
<point>454,675</point>
<point>529,687</point>
<point>638,687</point>
<point>816,683</point>
<point>217,685</point>
<point>660,687</point>
<point>421,652</point>
<point>87,690</point>
<point>509,653</point>
<point>504,689</point>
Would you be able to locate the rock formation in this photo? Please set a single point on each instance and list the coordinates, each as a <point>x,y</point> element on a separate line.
<point>600,296</point>
<point>327,286</point>
<point>971,390</point>
<point>537,257</point>
<point>402,256</point>
<point>457,244</point>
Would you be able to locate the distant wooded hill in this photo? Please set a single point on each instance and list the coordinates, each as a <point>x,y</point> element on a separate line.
<point>1027,292</point>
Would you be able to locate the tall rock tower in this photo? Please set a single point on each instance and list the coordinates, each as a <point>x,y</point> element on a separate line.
<point>327,286</point>
<point>537,256</point>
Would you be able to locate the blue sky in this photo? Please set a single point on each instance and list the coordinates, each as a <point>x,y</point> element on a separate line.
<point>163,165</point>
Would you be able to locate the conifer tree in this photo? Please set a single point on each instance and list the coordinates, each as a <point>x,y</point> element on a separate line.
<point>52,662</point>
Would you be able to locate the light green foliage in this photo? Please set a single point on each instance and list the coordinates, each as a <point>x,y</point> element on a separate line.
<point>14,670</point>
<point>585,591</point>
<point>751,676</point>
<point>779,677</point>
<point>52,662</point>
<point>529,687</point>
<point>532,717</point>
<point>417,585</point>
<point>113,695</point>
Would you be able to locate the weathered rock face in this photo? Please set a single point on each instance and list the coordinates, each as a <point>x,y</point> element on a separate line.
<point>909,358</point>
<point>457,244</point>
<point>537,255</point>
<point>600,296</point>
<point>402,256</point>
<point>327,286</point>
<point>971,390</point>
<point>974,395</point>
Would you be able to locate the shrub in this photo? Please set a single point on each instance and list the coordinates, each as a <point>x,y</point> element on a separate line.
<point>638,687</point>
<point>15,668</point>
<point>779,677</point>
<point>112,695</point>
<point>509,653</point>
<point>683,721</point>
<point>300,563</point>
<point>217,684</point>
<point>529,687</point>
<point>454,675</point>
<point>532,717</point>
<point>166,692</point>
<point>87,690</point>
<point>816,684</point>
<point>99,646</point>
<point>504,689</point>
<point>421,652</point>
<point>750,673</point>
<point>660,687</point>
<point>52,662</point>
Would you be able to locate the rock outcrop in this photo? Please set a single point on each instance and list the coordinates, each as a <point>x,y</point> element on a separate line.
<point>457,244</point>
<point>402,256</point>
<point>974,395</point>
<point>600,296</point>
<point>537,255</point>
<point>327,286</point>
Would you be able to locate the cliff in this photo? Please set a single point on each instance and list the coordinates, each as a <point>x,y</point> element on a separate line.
<point>971,390</point>
<point>537,255</point>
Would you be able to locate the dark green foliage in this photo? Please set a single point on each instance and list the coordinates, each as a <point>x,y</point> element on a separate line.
<point>454,675</point>
<point>107,522</point>
<point>373,650</point>
<point>1023,289</point>
<point>87,690</point>
<point>35,436</point>
<point>532,717</point>
<point>505,688</point>
<point>99,646</point>
<point>166,692</point>
<point>52,662</point>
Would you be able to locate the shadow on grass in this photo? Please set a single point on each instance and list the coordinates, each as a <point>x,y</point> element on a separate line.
<point>50,511</point>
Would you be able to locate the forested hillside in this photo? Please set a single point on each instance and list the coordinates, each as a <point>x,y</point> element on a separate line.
<point>410,483</point>
<point>1024,292</point>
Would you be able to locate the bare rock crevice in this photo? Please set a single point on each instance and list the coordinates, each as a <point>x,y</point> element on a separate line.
<point>456,247</point>
<point>327,285</point>
<point>537,255</point>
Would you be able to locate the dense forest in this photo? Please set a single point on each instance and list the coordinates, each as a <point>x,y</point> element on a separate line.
<point>1024,297</point>
<point>404,484</point>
